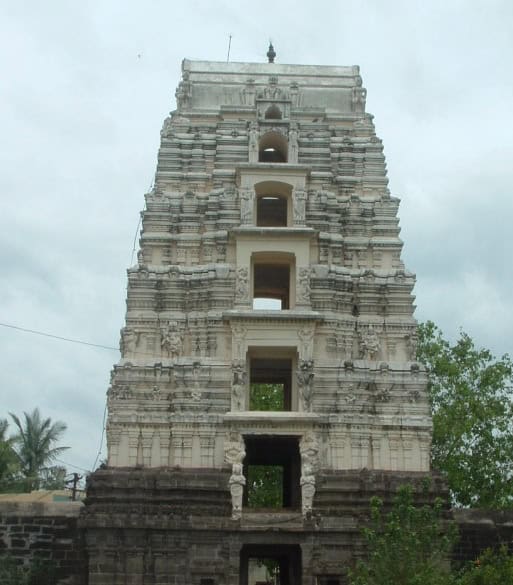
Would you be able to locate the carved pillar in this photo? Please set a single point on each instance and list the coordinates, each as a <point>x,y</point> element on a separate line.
<point>234,453</point>
<point>242,287</point>
<point>299,206</point>
<point>305,376</point>
<point>253,137</point>
<point>303,286</point>
<point>309,451</point>
<point>247,206</point>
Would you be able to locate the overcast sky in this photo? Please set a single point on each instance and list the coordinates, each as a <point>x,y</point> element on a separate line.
<point>84,89</point>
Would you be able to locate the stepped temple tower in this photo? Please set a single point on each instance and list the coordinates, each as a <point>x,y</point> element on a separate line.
<point>267,385</point>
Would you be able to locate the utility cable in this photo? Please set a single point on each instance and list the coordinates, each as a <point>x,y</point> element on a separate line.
<point>51,335</point>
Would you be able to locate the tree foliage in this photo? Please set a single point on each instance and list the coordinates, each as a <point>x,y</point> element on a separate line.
<point>35,448</point>
<point>491,568</point>
<point>406,546</point>
<point>266,396</point>
<point>9,464</point>
<point>36,572</point>
<point>471,395</point>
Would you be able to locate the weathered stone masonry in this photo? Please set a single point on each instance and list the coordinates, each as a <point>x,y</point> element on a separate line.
<point>269,254</point>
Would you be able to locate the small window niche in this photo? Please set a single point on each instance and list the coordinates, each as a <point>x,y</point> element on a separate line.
<point>273,148</point>
<point>273,112</point>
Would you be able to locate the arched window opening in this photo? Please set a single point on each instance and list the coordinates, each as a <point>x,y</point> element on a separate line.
<point>273,113</point>
<point>273,148</point>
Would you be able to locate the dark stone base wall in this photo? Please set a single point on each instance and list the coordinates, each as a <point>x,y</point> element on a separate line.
<point>175,526</point>
<point>47,532</point>
<point>163,526</point>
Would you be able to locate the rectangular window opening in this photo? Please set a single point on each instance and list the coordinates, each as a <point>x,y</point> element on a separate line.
<point>270,384</point>
<point>272,211</point>
<point>271,283</point>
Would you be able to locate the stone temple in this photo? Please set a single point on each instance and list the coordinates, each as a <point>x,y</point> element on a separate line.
<point>267,385</point>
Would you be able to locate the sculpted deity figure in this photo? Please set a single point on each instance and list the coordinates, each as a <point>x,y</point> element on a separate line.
<point>238,384</point>
<point>253,142</point>
<point>247,198</point>
<point>306,336</point>
<point>172,339</point>
<point>241,291</point>
<point>370,343</point>
<point>305,377</point>
<point>299,206</point>
<point>293,143</point>
<point>304,284</point>
<point>410,341</point>
<point>307,483</point>
<point>129,342</point>
<point>237,482</point>
<point>309,451</point>
<point>238,347</point>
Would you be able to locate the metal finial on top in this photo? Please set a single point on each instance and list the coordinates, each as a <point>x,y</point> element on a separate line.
<point>271,53</point>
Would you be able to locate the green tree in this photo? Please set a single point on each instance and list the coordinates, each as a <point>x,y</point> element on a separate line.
<point>9,467</point>
<point>471,395</point>
<point>492,568</point>
<point>34,444</point>
<point>266,396</point>
<point>407,546</point>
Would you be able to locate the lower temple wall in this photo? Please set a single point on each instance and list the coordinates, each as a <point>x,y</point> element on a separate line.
<point>174,527</point>
<point>47,532</point>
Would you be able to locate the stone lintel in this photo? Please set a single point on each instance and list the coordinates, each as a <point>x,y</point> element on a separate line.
<point>274,316</point>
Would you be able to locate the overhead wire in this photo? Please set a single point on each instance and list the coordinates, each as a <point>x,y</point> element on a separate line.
<point>61,338</point>
<point>72,340</point>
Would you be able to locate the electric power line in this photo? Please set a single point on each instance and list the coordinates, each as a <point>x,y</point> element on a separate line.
<point>70,340</point>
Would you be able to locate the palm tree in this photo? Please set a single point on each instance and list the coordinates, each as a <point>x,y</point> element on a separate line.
<point>34,445</point>
<point>8,458</point>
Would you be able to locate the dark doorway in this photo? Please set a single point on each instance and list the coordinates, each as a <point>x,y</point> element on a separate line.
<point>272,467</point>
<point>270,564</point>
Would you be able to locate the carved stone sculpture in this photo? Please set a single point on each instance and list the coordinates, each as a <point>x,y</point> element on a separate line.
<point>238,385</point>
<point>299,209</point>
<point>247,201</point>
<point>237,482</point>
<point>309,451</point>
<point>242,287</point>
<point>305,377</point>
<point>370,344</point>
<point>171,341</point>
<point>253,142</point>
